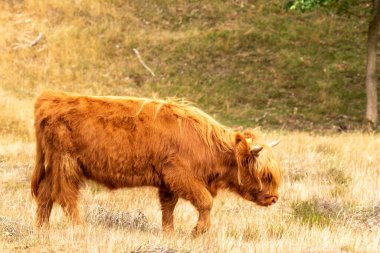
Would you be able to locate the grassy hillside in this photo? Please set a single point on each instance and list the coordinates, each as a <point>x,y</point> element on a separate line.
<point>245,62</point>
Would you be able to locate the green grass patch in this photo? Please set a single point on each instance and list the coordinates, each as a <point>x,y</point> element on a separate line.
<point>308,213</point>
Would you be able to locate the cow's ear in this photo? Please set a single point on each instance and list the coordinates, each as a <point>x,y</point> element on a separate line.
<point>241,145</point>
<point>241,151</point>
<point>241,140</point>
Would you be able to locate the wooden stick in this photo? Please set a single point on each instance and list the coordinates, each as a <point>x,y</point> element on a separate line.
<point>142,62</point>
<point>36,40</point>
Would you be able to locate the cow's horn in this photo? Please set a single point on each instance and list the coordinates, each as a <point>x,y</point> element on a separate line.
<point>256,149</point>
<point>273,143</point>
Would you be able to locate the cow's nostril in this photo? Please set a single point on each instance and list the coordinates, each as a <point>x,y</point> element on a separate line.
<point>274,200</point>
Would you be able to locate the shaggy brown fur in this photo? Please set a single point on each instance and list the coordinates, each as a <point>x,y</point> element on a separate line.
<point>127,142</point>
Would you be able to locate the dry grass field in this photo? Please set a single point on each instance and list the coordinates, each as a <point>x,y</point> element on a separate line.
<point>215,53</point>
<point>329,202</point>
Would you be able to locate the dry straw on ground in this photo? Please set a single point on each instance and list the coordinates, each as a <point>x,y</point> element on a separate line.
<point>329,203</point>
<point>12,230</point>
<point>99,215</point>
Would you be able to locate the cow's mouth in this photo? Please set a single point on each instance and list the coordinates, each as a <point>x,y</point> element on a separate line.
<point>267,200</point>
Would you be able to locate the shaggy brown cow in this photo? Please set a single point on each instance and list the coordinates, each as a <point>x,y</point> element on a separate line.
<point>127,142</point>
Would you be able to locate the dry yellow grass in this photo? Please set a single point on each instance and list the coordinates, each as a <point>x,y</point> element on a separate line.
<point>330,200</point>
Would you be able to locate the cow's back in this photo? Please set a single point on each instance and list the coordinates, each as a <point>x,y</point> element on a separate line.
<point>120,142</point>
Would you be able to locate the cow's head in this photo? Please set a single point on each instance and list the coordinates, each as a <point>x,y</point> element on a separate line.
<point>258,175</point>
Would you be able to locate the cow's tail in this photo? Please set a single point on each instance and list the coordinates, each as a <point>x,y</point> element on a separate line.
<point>39,170</point>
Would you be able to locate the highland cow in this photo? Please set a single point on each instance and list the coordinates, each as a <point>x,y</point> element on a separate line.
<point>129,142</point>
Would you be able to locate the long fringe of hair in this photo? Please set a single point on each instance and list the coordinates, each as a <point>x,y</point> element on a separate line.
<point>210,131</point>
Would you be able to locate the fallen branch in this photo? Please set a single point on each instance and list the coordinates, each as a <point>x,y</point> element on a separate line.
<point>142,62</point>
<point>36,40</point>
<point>27,44</point>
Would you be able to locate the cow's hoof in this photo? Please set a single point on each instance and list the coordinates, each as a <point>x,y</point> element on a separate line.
<point>168,230</point>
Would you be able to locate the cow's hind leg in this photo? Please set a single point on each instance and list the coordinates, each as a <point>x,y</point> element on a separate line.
<point>70,206</point>
<point>168,201</point>
<point>68,182</point>
<point>44,201</point>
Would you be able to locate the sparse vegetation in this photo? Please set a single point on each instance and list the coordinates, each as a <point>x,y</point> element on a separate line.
<point>98,215</point>
<point>306,218</point>
<point>246,63</point>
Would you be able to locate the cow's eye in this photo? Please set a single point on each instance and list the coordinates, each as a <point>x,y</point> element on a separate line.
<point>268,178</point>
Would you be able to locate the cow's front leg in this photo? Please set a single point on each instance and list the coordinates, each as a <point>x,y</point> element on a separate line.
<point>185,186</point>
<point>203,203</point>
<point>168,201</point>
